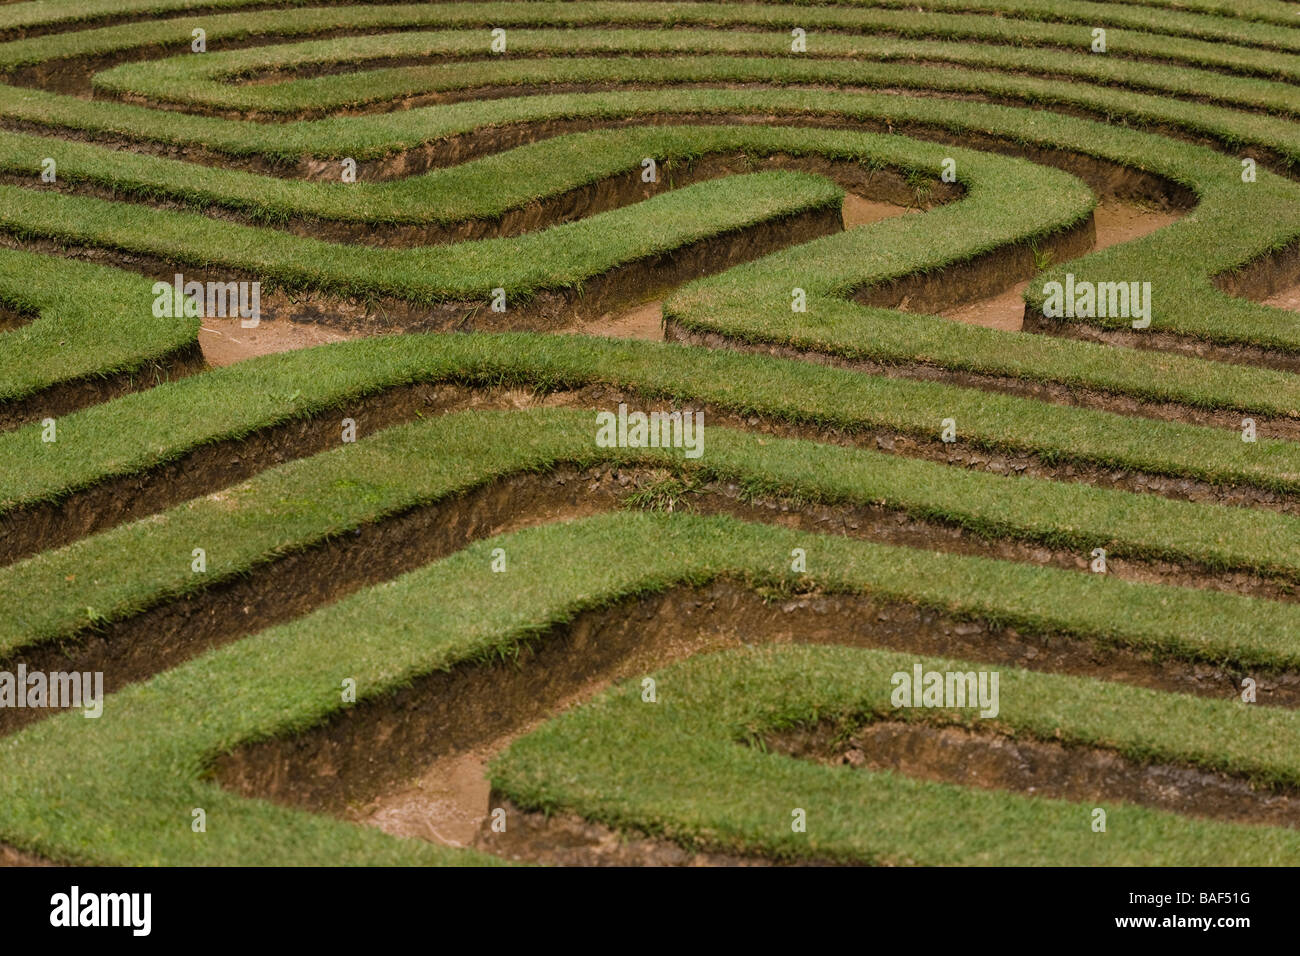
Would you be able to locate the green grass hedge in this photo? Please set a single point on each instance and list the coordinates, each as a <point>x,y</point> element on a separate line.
<point>89,320</point>
<point>120,789</point>
<point>213,81</point>
<point>116,574</point>
<point>138,432</point>
<point>681,768</point>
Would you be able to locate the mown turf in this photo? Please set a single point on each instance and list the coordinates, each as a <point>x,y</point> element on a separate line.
<point>213,81</point>
<point>1227,126</point>
<point>1236,222</point>
<point>87,320</point>
<point>680,768</point>
<point>1009,202</point>
<point>1179,261</point>
<point>120,789</point>
<point>484,188</point>
<point>908,21</point>
<point>138,432</point>
<point>559,258</point>
<point>115,574</point>
<point>363,137</point>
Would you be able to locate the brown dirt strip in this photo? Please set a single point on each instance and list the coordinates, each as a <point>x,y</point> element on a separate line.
<point>861,209</point>
<point>362,762</point>
<point>454,812</point>
<point>11,856</point>
<point>644,321</point>
<point>1286,299</point>
<point>225,341</point>
<point>287,586</point>
<point>565,839</point>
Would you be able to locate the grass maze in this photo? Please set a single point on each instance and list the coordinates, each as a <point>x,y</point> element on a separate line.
<point>362,583</point>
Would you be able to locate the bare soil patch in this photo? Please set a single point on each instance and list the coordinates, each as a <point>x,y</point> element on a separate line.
<point>1288,298</point>
<point>644,321</point>
<point>863,211</point>
<point>225,341</point>
<point>9,856</point>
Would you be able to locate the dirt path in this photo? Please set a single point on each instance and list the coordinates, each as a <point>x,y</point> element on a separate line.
<point>224,342</point>
<point>1286,299</point>
<point>12,857</point>
<point>448,804</point>
<point>1116,222</point>
<point>862,212</point>
<point>644,321</point>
